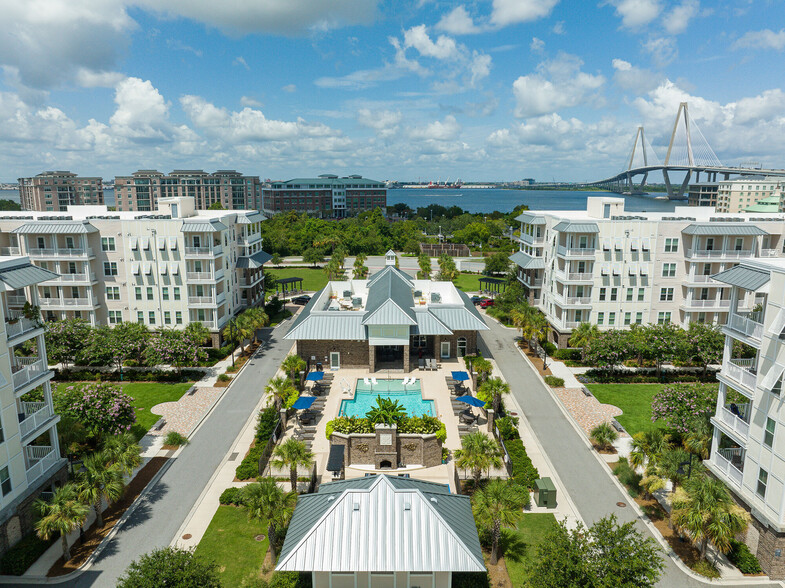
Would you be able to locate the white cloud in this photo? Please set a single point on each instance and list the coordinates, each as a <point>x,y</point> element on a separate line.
<point>98,79</point>
<point>663,50</point>
<point>142,113</point>
<point>765,39</point>
<point>508,12</point>
<point>537,45</point>
<point>384,122</point>
<point>458,22</point>
<point>558,84</point>
<point>240,60</point>
<point>443,48</point>
<point>250,101</point>
<point>632,78</point>
<point>290,88</point>
<point>677,20</point>
<point>447,130</point>
<point>635,14</point>
<point>480,68</point>
<point>558,28</point>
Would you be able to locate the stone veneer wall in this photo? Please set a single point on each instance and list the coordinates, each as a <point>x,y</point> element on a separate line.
<point>405,448</point>
<point>764,542</point>
<point>471,343</point>
<point>354,354</point>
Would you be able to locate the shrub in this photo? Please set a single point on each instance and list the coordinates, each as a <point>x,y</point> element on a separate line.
<point>573,354</point>
<point>128,376</point>
<point>249,467</point>
<point>101,408</point>
<point>741,557</point>
<point>470,580</point>
<point>706,569</point>
<point>550,348</point>
<point>175,438</point>
<point>24,554</point>
<point>604,435</point>
<point>224,378</point>
<point>523,471</point>
<point>232,496</point>
<point>554,382</point>
<point>628,476</point>
<point>508,427</point>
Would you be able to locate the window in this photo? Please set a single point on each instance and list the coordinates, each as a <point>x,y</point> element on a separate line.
<point>701,317</point>
<point>5,481</point>
<point>706,269</point>
<point>113,293</point>
<point>138,292</point>
<point>763,480</point>
<point>115,317</point>
<point>614,294</point>
<point>110,268</point>
<point>178,317</point>
<point>149,293</point>
<point>2,436</point>
<point>627,318</point>
<point>641,294</point>
<point>165,293</point>
<point>666,294</point>
<point>140,317</point>
<point>151,317</point>
<point>107,244</point>
<point>176,293</point>
<point>630,292</point>
<point>663,317</point>
<point>611,318</point>
<point>768,434</point>
<point>739,244</point>
<point>602,294</point>
<point>578,316</point>
<point>638,318</point>
<point>671,245</point>
<point>167,317</point>
<point>600,317</point>
<point>418,341</point>
<point>668,270</point>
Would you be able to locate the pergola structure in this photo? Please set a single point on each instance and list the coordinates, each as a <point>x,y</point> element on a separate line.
<point>288,286</point>
<point>492,285</point>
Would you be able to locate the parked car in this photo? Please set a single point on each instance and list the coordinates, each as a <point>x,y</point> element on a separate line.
<point>476,300</point>
<point>301,300</point>
<point>486,303</point>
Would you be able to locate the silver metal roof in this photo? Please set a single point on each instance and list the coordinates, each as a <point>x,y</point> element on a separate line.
<point>390,269</point>
<point>390,300</point>
<point>427,324</point>
<point>723,229</point>
<point>254,261</point>
<point>748,278</point>
<point>574,227</point>
<point>459,319</point>
<point>384,527</point>
<point>25,274</point>
<point>247,218</point>
<point>202,226</point>
<point>530,218</point>
<point>56,227</point>
<point>389,313</point>
<point>526,261</point>
<point>330,325</point>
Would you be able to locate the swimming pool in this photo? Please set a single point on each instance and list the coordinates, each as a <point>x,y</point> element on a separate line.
<point>365,398</point>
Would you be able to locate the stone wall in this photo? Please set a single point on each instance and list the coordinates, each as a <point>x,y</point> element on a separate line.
<point>354,354</point>
<point>471,343</point>
<point>387,445</point>
<point>765,543</point>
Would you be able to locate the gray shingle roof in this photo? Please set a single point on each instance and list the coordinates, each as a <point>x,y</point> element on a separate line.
<point>749,278</point>
<point>723,229</point>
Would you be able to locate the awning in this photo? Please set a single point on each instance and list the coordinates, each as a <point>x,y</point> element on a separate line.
<point>48,227</point>
<point>25,275</point>
<point>526,261</point>
<point>161,243</point>
<point>254,261</point>
<point>741,276</point>
<point>723,229</point>
<point>573,227</point>
<point>175,268</point>
<point>145,241</point>
<point>203,226</point>
<point>133,242</point>
<point>335,459</point>
<point>172,243</point>
<point>530,218</point>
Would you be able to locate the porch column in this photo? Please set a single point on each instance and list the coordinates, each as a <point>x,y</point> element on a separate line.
<point>371,358</point>
<point>406,359</point>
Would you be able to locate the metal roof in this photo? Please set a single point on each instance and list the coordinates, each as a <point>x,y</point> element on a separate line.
<point>349,531</point>
<point>56,227</point>
<point>331,181</point>
<point>723,229</point>
<point>391,269</point>
<point>427,324</point>
<point>469,306</point>
<point>202,226</point>
<point>329,325</point>
<point>530,218</point>
<point>526,261</point>
<point>25,274</point>
<point>247,218</point>
<point>390,300</point>
<point>573,227</point>
<point>254,261</point>
<point>748,278</point>
<point>459,319</point>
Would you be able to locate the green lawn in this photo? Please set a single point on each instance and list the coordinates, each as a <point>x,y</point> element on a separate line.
<point>229,541</point>
<point>468,282</point>
<point>633,399</point>
<point>520,547</point>
<point>146,395</point>
<point>313,279</point>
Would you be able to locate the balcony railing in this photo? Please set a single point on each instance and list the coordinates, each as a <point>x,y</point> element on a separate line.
<point>769,252</point>
<point>27,369</point>
<point>201,300</point>
<point>700,279</point>
<point>200,276</point>
<point>56,252</point>
<point>39,459</point>
<point>749,324</point>
<point>198,250</point>
<point>19,325</point>
<point>580,277</point>
<point>719,253</point>
<point>221,298</point>
<point>76,278</point>
<point>532,239</point>
<point>709,303</point>
<point>207,323</point>
<point>731,463</point>
<point>575,251</point>
<point>33,415</point>
<point>737,417</point>
<point>68,302</point>
<point>10,251</point>
<point>16,300</point>
<point>583,300</point>
<point>742,371</point>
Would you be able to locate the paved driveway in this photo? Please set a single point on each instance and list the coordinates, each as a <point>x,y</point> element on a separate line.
<point>586,480</point>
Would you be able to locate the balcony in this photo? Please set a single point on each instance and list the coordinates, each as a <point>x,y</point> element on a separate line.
<point>198,251</point>
<point>527,280</point>
<point>250,282</point>
<point>201,300</point>
<point>573,277</point>
<point>730,462</point>
<point>719,253</point>
<point>531,239</point>
<point>579,300</point>
<point>748,324</point>
<point>39,459</point>
<point>221,298</point>
<point>26,370</point>
<point>736,418</point>
<point>86,277</point>
<point>209,324</point>
<point>700,279</point>
<point>66,303</point>
<point>10,251</point>
<point>743,372</point>
<point>18,326</point>
<point>200,277</point>
<point>575,252</point>
<point>711,303</point>
<point>32,416</point>
<point>67,252</point>
<point>769,253</point>
<point>16,300</point>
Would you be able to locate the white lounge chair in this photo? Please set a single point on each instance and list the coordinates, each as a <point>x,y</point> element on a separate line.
<point>367,381</point>
<point>374,381</point>
<point>412,382</point>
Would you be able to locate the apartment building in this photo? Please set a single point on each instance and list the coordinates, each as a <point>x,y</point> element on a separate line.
<point>614,269</point>
<point>327,196</point>
<point>736,195</point>
<point>167,269</point>
<point>143,189</point>
<point>30,460</point>
<point>748,448</point>
<point>703,194</point>
<point>55,191</point>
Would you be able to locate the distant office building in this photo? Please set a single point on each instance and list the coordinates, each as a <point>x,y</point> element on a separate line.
<point>54,191</point>
<point>327,196</point>
<point>143,189</point>
<point>703,194</point>
<point>736,195</point>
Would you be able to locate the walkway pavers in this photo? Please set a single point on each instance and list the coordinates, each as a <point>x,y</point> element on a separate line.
<point>182,416</point>
<point>587,411</point>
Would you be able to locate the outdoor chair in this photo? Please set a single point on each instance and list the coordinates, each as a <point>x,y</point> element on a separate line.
<point>421,364</point>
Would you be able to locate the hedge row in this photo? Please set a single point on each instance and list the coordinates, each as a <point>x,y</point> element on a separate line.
<point>568,353</point>
<point>128,376</point>
<point>741,557</point>
<point>523,470</point>
<point>24,554</point>
<point>249,467</point>
<point>608,377</point>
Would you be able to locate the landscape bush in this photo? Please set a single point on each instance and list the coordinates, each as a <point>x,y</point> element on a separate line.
<point>628,476</point>
<point>175,438</point>
<point>224,378</point>
<point>101,408</point>
<point>508,427</point>
<point>554,382</point>
<point>24,554</point>
<point>232,496</point>
<point>550,348</point>
<point>595,376</point>
<point>424,425</point>
<point>741,557</point>
<point>164,376</point>
<point>266,423</point>
<point>568,353</point>
<point>523,471</point>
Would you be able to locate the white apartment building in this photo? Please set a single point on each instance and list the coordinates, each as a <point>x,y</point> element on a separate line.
<point>613,268</point>
<point>30,460</point>
<point>736,195</point>
<point>162,269</point>
<point>748,449</point>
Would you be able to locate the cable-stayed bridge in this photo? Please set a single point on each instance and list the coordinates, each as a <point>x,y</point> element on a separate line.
<point>688,151</point>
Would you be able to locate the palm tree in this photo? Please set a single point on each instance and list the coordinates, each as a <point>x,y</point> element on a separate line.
<point>583,335</point>
<point>604,435</point>
<point>124,451</point>
<point>386,411</point>
<point>360,271</point>
<point>197,332</point>
<point>231,332</point>
<point>494,389</point>
<point>279,389</point>
<point>424,261</point>
<point>62,514</point>
<point>266,501</point>
<point>290,454</point>
<point>293,364</point>
<point>479,453</point>
<point>519,316</point>
<point>99,479</point>
<point>648,447</point>
<point>257,319</point>
<point>698,440</point>
<point>499,504</point>
<point>705,510</point>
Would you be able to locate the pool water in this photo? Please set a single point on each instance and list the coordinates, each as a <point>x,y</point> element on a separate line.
<point>365,398</point>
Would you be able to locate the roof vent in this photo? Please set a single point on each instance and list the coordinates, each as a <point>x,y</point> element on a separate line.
<point>433,499</point>
<point>407,506</point>
<point>356,506</point>
<point>436,297</point>
<point>330,498</point>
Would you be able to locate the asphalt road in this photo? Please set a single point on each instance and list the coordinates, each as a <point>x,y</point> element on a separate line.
<point>586,480</point>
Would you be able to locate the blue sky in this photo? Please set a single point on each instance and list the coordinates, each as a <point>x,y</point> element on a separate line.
<point>485,90</point>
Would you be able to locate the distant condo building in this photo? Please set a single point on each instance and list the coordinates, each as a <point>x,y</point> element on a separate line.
<point>736,195</point>
<point>55,191</point>
<point>163,269</point>
<point>615,268</point>
<point>142,190</point>
<point>327,196</point>
<point>703,194</point>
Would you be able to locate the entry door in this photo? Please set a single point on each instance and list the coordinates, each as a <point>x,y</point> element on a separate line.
<point>445,349</point>
<point>335,360</point>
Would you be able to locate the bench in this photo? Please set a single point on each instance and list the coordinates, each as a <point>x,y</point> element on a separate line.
<point>617,425</point>
<point>160,424</point>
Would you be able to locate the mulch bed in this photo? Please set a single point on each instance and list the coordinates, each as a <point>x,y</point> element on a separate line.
<point>603,451</point>
<point>500,577</point>
<point>535,359</point>
<point>93,536</point>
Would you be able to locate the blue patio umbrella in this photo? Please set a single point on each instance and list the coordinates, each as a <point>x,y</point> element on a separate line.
<point>304,402</point>
<point>460,376</point>
<point>315,376</point>
<point>470,400</point>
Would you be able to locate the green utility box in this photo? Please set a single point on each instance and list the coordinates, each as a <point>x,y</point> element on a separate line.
<point>545,493</point>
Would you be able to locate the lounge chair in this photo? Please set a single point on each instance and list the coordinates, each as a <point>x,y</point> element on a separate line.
<point>374,381</point>
<point>421,364</point>
<point>366,381</point>
<point>412,382</point>
<point>405,382</point>
<point>469,418</point>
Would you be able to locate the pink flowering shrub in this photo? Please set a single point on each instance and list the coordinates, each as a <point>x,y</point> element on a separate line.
<point>101,408</point>
<point>681,405</point>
